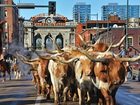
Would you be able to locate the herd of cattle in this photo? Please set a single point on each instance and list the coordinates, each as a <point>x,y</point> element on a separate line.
<point>8,64</point>
<point>91,74</point>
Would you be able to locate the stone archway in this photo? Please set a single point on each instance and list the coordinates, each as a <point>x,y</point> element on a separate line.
<point>59,40</point>
<point>37,41</point>
<point>48,43</point>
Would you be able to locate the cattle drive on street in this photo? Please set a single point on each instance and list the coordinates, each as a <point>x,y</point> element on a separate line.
<point>90,74</point>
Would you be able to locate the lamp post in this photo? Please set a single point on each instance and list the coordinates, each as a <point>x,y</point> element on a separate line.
<point>126,33</point>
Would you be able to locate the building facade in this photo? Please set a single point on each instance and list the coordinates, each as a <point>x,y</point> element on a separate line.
<point>42,29</point>
<point>81,12</point>
<point>112,31</point>
<point>120,10</point>
<point>11,30</point>
<point>1,25</point>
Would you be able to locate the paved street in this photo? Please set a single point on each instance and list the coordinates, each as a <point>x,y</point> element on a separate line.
<point>22,92</point>
<point>75,41</point>
<point>129,93</point>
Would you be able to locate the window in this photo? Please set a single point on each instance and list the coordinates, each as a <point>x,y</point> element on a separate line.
<point>48,42</point>
<point>59,40</point>
<point>130,41</point>
<point>39,43</point>
<point>6,25</point>
<point>5,13</point>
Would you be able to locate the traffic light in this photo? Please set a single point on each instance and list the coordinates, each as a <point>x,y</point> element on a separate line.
<point>52,8</point>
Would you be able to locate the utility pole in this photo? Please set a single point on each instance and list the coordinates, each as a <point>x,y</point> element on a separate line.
<point>126,32</point>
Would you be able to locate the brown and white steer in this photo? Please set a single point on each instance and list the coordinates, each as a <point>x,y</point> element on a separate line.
<point>109,75</point>
<point>5,67</point>
<point>34,65</point>
<point>61,75</point>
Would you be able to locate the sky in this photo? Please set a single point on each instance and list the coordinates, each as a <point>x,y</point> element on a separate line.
<point>65,7</point>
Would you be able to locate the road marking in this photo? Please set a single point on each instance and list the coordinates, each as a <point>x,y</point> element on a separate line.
<point>38,99</point>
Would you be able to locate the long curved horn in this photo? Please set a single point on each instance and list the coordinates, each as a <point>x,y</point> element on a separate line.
<point>51,52</point>
<point>25,59</point>
<point>81,38</point>
<point>48,57</point>
<point>109,48</point>
<point>19,55</point>
<point>65,61</point>
<point>56,58</point>
<point>57,47</point>
<point>129,59</point>
<point>120,42</point>
<point>93,56</point>
<point>97,41</point>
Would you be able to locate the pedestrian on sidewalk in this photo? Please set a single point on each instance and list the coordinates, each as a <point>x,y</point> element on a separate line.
<point>139,75</point>
<point>122,52</point>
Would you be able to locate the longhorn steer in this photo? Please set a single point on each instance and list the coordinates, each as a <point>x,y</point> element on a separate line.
<point>34,65</point>
<point>83,73</point>
<point>61,75</point>
<point>40,73</point>
<point>5,67</point>
<point>110,74</point>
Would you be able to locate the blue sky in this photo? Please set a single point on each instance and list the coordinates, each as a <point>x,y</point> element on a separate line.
<point>64,7</point>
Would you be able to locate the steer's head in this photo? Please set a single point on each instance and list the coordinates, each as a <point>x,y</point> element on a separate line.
<point>99,47</point>
<point>86,65</point>
<point>111,70</point>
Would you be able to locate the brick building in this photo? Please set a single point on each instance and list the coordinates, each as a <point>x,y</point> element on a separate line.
<point>1,24</point>
<point>111,31</point>
<point>11,28</point>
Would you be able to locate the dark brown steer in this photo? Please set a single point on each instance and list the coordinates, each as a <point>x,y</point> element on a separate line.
<point>5,67</point>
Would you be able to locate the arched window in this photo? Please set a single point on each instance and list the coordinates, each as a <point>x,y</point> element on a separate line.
<point>38,41</point>
<point>59,40</point>
<point>48,42</point>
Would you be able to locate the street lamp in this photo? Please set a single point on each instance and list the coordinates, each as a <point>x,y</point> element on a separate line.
<point>126,33</point>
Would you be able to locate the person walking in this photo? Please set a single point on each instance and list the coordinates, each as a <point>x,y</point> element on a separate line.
<point>122,52</point>
<point>139,75</point>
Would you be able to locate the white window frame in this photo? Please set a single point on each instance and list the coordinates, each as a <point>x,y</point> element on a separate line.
<point>130,37</point>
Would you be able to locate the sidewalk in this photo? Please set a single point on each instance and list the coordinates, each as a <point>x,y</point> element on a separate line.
<point>129,93</point>
<point>132,86</point>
